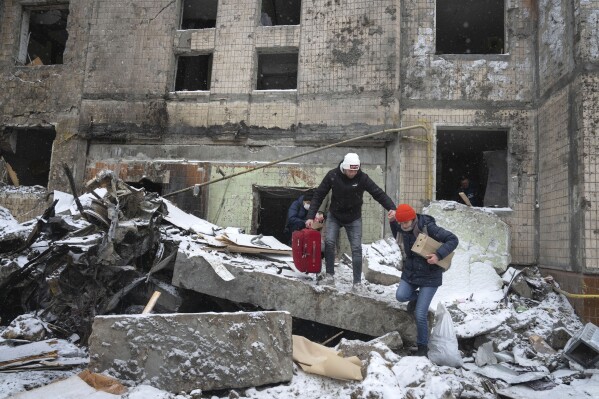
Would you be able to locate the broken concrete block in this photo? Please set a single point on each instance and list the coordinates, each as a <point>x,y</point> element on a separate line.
<point>207,351</point>
<point>482,253</point>
<point>540,346</point>
<point>521,287</point>
<point>26,326</point>
<point>559,338</point>
<point>371,315</point>
<point>362,349</point>
<point>381,262</point>
<point>476,229</point>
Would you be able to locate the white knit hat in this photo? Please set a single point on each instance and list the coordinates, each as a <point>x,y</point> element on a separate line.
<point>351,161</point>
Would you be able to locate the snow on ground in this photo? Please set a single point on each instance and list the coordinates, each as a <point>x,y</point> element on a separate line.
<point>472,292</point>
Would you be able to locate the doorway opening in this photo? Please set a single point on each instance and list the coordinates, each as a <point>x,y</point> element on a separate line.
<point>27,153</point>
<point>270,210</point>
<point>481,157</point>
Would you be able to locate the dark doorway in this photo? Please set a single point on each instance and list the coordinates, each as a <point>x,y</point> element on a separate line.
<point>28,152</point>
<point>193,73</point>
<point>270,210</point>
<point>470,27</point>
<point>277,71</point>
<point>199,14</point>
<point>47,36</point>
<point>281,12</point>
<point>481,156</point>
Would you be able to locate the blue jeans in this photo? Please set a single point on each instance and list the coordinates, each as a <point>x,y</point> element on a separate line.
<point>354,235</point>
<point>423,297</point>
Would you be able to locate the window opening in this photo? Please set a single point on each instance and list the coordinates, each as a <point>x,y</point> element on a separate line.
<point>27,152</point>
<point>280,12</point>
<point>277,71</point>
<point>44,35</point>
<point>193,73</point>
<point>199,14</point>
<point>479,156</point>
<point>470,27</point>
<point>270,210</point>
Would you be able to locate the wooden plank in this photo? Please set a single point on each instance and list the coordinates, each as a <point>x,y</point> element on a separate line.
<point>464,198</point>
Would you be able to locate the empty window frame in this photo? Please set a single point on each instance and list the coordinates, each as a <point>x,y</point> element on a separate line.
<point>27,152</point>
<point>277,71</point>
<point>193,72</point>
<point>280,12</point>
<point>43,35</point>
<point>470,27</point>
<point>479,156</point>
<point>199,14</point>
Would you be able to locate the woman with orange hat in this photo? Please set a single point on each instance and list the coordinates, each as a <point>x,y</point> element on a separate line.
<point>420,277</point>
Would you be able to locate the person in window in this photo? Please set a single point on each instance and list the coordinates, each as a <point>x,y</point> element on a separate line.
<point>469,190</point>
<point>420,277</point>
<point>347,184</point>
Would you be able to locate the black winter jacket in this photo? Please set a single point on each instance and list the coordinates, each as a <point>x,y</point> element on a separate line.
<point>346,200</point>
<point>416,270</point>
<point>296,215</point>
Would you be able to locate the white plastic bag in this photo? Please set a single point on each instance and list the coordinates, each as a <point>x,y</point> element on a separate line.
<point>443,343</point>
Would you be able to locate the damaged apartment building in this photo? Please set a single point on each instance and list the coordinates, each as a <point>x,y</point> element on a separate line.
<point>174,93</point>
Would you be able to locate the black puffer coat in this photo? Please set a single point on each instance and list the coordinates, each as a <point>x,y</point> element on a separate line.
<point>416,269</point>
<point>346,200</point>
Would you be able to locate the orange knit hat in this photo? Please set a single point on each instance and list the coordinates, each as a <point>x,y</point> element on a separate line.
<point>404,213</point>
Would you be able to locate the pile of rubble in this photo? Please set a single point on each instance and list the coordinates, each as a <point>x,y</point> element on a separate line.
<point>99,257</point>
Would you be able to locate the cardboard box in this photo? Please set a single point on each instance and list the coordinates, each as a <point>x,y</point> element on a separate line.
<point>425,245</point>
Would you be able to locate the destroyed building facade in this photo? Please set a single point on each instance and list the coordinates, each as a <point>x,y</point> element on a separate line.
<point>172,93</point>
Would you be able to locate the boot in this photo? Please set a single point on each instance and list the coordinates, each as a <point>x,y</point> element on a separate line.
<point>422,351</point>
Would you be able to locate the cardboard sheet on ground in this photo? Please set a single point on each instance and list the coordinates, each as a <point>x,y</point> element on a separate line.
<point>318,359</point>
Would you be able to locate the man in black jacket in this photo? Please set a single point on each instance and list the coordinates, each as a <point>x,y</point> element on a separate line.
<point>347,183</point>
<point>420,277</point>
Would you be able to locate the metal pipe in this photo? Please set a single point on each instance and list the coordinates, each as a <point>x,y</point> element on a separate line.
<point>396,130</point>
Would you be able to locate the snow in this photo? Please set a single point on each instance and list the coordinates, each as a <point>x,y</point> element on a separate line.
<point>472,291</point>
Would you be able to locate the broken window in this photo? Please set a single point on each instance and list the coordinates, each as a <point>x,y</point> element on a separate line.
<point>478,156</point>
<point>199,14</point>
<point>43,35</point>
<point>26,153</point>
<point>277,71</point>
<point>193,73</point>
<point>470,27</point>
<point>280,12</point>
<point>270,210</point>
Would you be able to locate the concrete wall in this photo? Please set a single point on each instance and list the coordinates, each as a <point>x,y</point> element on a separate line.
<point>46,95</point>
<point>363,65</point>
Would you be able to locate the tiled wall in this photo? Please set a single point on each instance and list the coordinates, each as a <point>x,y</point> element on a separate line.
<point>414,168</point>
<point>505,77</point>
<point>588,128</point>
<point>347,72</point>
<point>579,284</point>
<point>553,195</point>
<point>232,201</point>
<point>24,204</point>
<point>555,41</point>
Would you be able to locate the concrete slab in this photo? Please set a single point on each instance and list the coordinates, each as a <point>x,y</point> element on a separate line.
<point>373,311</point>
<point>182,352</point>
